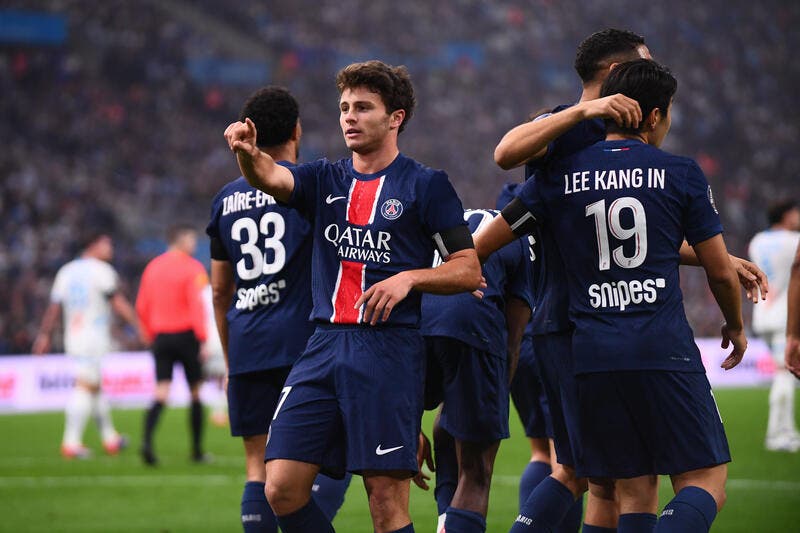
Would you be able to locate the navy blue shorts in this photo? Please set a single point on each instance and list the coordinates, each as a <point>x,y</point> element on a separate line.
<point>252,398</point>
<point>528,394</point>
<point>556,369</point>
<point>638,423</point>
<point>353,401</point>
<point>473,387</point>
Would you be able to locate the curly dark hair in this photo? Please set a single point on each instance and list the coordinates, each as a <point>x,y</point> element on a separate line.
<point>778,210</point>
<point>393,84</point>
<point>604,47</point>
<point>644,80</point>
<point>275,112</point>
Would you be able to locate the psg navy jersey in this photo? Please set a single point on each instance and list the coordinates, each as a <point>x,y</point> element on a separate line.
<point>368,227</point>
<point>619,211</point>
<point>551,304</point>
<point>269,247</point>
<point>482,323</point>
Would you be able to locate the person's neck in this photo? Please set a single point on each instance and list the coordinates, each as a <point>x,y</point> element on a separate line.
<point>372,162</point>
<point>174,248</point>
<point>284,152</point>
<point>591,91</point>
<point>626,137</point>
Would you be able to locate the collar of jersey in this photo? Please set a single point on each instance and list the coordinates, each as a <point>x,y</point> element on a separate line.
<point>375,175</point>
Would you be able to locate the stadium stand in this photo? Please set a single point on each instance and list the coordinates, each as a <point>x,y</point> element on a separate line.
<point>118,122</point>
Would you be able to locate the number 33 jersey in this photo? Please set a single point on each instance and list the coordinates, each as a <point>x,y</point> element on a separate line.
<point>368,227</point>
<point>619,212</point>
<point>269,249</point>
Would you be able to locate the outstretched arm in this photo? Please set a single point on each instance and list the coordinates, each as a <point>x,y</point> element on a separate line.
<point>529,140</point>
<point>793,319</point>
<point>722,280</point>
<point>258,168</point>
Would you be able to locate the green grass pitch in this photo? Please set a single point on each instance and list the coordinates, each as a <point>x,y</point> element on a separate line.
<point>39,491</point>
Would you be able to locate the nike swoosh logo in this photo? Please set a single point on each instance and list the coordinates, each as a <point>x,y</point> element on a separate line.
<point>380,451</point>
<point>330,199</point>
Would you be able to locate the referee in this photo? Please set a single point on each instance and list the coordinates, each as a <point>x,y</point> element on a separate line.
<point>172,320</point>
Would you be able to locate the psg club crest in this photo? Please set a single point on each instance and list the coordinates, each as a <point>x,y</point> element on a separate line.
<point>391,209</point>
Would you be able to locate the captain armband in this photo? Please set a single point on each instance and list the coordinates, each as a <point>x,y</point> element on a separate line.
<point>521,220</point>
<point>453,240</point>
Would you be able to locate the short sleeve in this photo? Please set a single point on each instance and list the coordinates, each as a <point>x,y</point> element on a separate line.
<point>58,292</point>
<point>305,194</point>
<point>212,229</point>
<point>109,280</point>
<point>700,217</point>
<point>519,272</point>
<point>441,209</point>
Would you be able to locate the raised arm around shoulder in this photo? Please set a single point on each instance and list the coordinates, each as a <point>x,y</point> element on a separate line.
<point>258,168</point>
<point>529,140</point>
<point>724,285</point>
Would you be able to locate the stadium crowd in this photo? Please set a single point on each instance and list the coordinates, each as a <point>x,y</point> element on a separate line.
<point>118,128</point>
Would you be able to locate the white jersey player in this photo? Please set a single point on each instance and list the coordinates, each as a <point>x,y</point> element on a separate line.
<point>773,251</point>
<point>86,290</point>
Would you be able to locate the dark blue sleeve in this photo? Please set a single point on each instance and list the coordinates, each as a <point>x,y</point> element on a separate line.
<point>531,197</point>
<point>519,272</point>
<point>212,229</point>
<point>700,216</point>
<point>305,195</point>
<point>440,208</point>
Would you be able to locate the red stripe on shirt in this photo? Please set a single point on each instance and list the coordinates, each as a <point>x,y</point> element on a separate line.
<point>363,201</point>
<point>349,288</point>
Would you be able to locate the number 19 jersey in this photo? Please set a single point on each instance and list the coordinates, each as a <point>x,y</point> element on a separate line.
<point>269,248</point>
<point>619,211</point>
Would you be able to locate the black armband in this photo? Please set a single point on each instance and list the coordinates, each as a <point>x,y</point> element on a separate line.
<point>521,220</point>
<point>218,251</point>
<point>453,240</point>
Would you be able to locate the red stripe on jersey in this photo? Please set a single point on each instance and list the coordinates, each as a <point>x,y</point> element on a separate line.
<point>349,288</point>
<point>363,201</point>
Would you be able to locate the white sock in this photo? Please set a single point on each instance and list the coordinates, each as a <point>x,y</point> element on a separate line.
<point>102,413</point>
<point>79,406</point>
<point>782,393</point>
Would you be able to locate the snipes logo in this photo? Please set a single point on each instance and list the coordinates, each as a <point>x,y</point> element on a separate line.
<point>623,293</point>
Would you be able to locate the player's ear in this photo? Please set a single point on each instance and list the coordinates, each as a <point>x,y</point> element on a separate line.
<point>652,119</point>
<point>298,132</point>
<point>396,118</point>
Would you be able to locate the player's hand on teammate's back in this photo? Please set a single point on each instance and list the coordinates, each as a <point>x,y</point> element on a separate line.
<point>241,137</point>
<point>380,299</point>
<point>751,278</point>
<point>618,107</point>
<point>737,338</point>
<point>792,355</point>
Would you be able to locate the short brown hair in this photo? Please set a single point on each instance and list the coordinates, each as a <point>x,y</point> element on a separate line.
<point>393,84</point>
